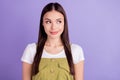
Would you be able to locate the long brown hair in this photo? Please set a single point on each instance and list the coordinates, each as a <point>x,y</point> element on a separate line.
<point>42,37</point>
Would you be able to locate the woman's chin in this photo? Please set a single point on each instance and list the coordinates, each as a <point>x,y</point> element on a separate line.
<point>53,36</point>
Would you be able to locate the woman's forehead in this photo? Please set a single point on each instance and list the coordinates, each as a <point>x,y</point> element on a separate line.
<point>53,15</point>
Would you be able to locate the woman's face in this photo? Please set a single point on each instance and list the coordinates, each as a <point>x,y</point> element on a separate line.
<point>53,22</point>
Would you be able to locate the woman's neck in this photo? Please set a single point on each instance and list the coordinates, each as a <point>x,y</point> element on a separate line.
<point>54,42</point>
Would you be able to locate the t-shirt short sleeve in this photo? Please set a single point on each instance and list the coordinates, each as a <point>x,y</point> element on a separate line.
<point>77,53</point>
<point>29,53</point>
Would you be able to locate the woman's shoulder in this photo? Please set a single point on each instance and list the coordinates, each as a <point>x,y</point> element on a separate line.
<point>29,53</point>
<point>32,45</point>
<point>75,46</point>
<point>77,53</point>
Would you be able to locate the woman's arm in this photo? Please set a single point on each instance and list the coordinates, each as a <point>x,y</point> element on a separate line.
<point>79,70</point>
<point>26,71</point>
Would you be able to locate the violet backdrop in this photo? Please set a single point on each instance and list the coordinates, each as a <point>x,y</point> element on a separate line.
<point>93,24</point>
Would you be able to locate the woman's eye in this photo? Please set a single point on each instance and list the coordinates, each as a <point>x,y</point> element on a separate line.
<point>47,22</point>
<point>59,22</point>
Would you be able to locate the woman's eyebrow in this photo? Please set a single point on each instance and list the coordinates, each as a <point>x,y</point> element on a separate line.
<point>46,19</point>
<point>50,19</point>
<point>59,19</point>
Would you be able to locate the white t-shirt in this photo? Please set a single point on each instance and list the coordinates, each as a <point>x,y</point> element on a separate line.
<point>30,51</point>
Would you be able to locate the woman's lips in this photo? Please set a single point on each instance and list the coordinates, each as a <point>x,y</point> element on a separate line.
<point>54,33</point>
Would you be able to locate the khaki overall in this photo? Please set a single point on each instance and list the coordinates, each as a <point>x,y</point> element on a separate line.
<point>53,69</point>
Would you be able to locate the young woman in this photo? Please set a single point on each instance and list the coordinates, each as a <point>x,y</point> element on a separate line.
<point>53,57</point>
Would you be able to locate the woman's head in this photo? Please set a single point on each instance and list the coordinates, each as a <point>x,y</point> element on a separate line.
<point>54,14</point>
<point>53,22</point>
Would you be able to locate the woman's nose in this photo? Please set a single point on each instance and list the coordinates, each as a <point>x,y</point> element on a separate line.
<point>53,26</point>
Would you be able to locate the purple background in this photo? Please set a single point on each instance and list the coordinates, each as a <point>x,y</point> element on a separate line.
<point>93,24</point>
